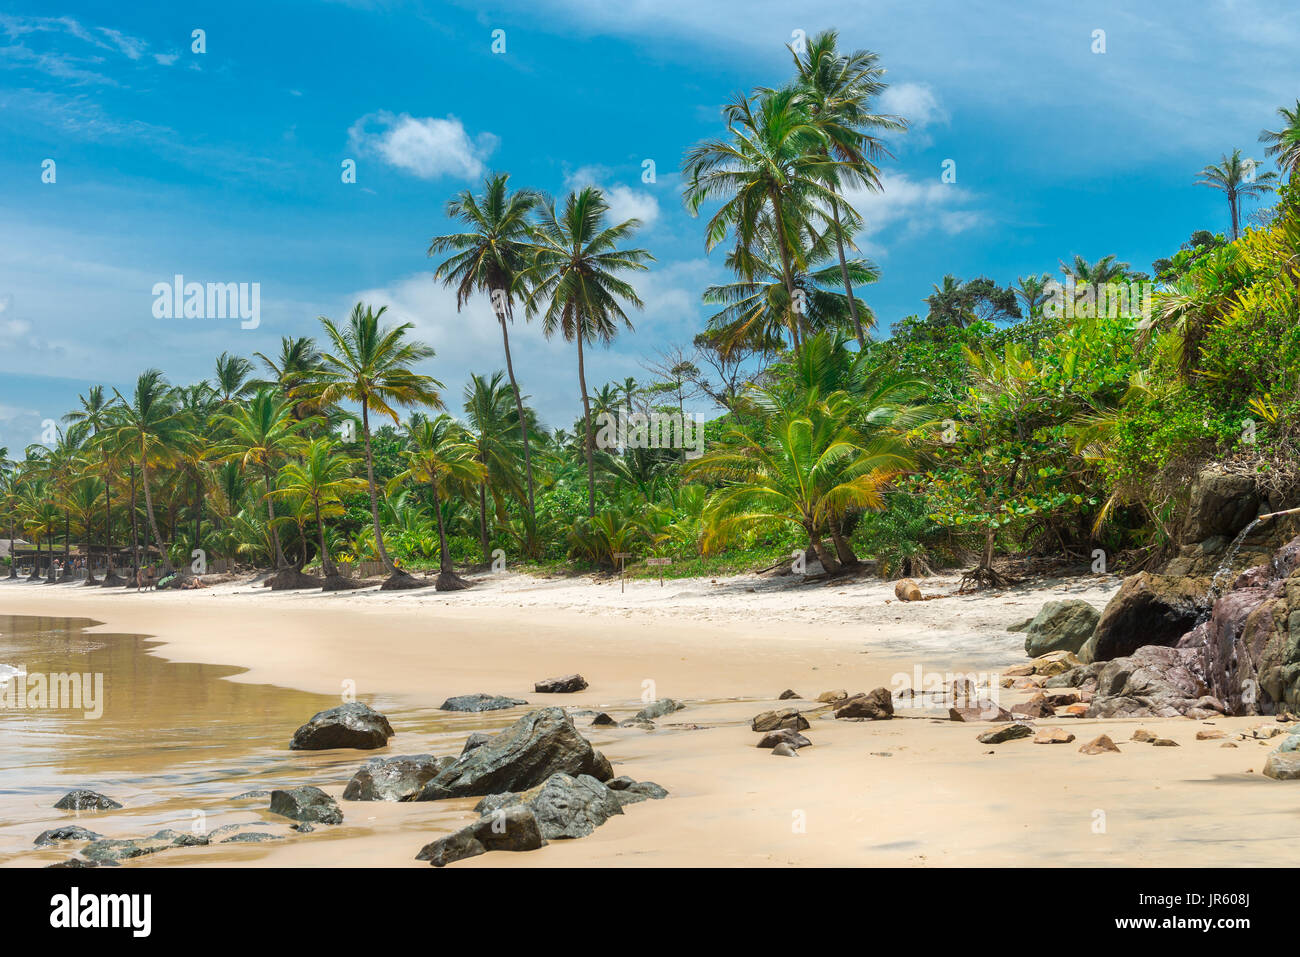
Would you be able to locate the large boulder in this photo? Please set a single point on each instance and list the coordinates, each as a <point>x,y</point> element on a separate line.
<point>1147,610</point>
<point>83,800</point>
<point>1154,681</point>
<point>394,779</point>
<point>351,725</point>
<point>566,684</point>
<point>1221,504</point>
<point>1061,626</point>
<point>878,705</point>
<point>1249,646</point>
<point>514,829</point>
<point>565,806</point>
<point>522,756</point>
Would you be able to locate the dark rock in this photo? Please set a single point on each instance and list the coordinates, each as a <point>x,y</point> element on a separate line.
<point>251,837</point>
<point>480,702</point>
<point>657,709</point>
<point>475,740</point>
<point>523,756</point>
<point>784,736</point>
<point>788,718</point>
<point>394,779</point>
<point>787,694</point>
<point>620,783</point>
<point>78,862</point>
<point>83,800</point>
<point>1008,732</point>
<point>250,795</point>
<point>567,684</point>
<point>351,725</point>
<point>637,723</point>
<point>110,851</point>
<point>878,705</point>
<point>1221,504</point>
<point>302,827</point>
<point>980,711</point>
<point>1036,707</point>
<point>785,751</point>
<point>306,803</point>
<point>602,720</point>
<point>565,806</point>
<point>514,829</point>
<point>1147,610</point>
<point>1060,626</point>
<point>1154,681</point>
<point>60,834</point>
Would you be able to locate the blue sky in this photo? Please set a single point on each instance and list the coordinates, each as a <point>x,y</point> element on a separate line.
<point>224,166</point>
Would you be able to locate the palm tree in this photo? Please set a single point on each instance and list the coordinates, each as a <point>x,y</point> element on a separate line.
<point>837,91</point>
<point>441,455</point>
<point>260,436</point>
<point>1284,144</point>
<point>490,415</point>
<point>233,377</point>
<point>773,169</point>
<point>489,258</point>
<point>322,478</point>
<point>149,427</point>
<point>95,414</point>
<point>1104,270</point>
<point>574,269</point>
<point>1032,293</point>
<point>371,366</point>
<point>297,363</point>
<point>1235,178</point>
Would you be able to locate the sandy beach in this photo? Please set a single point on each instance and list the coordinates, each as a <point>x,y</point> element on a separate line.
<point>919,790</point>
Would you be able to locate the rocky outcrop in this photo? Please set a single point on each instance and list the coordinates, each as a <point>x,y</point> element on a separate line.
<point>1221,504</point>
<point>1060,626</point>
<point>107,851</point>
<point>657,709</point>
<point>566,807</point>
<point>394,779</point>
<point>59,835</point>
<point>523,756</point>
<point>480,702</point>
<point>788,718</point>
<point>878,705</point>
<point>514,829</point>
<point>351,725</point>
<point>1147,610</point>
<point>1154,681</point>
<point>306,804</point>
<point>83,800</point>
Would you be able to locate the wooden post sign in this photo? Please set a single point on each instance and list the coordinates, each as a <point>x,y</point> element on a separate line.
<point>620,556</point>
<point>661,562</point>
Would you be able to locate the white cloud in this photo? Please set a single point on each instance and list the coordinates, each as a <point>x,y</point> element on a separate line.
<point>624,202</point>
<point>166,59</point>
<point>427,147</point>
<point>914,208</point>
<point>915,102</point>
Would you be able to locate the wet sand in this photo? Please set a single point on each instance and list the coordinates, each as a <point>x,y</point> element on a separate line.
<point>909,792</point>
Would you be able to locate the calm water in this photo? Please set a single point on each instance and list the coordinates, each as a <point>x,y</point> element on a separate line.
<point>174,740</point>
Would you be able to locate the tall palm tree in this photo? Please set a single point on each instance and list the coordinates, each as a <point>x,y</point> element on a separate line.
<point>322,477</point>
<point>440,455</point>
<point>234,374</point>
<point>774,168</point>
<point>371,366</point>
<point>1236,178</point>
<point>489,258</point>
<point>1032,293</point>
<point>149,426</point>
<point>837,90</point>
<point>574,270</point>
<point>492,430</point>
<point>260,436</point>
<point>95,414</point>
<point>293,368</point>
<point>1284,143</point>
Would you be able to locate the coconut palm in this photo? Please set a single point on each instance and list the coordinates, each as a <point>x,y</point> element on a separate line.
<point>321,478</point>
<point>234,375</point>
<point>95,415</point>
<point>1284,143</point>
<point>491,428</point>
<point>837,90</point>
<point>261,435</point>
<point>489,258</point>
<point>774,167</point>
<point>440,455</point>
<point>574,271</point>
<point>1236,178</point>
<point>371,366</point>
<point>291,370</point>
<point>1032,293</point>
<point>149,426</point>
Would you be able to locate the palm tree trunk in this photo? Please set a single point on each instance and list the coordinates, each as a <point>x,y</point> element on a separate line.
<point>153,523</point>
<point>787,274</point>
<point>374,500</point>
<point>1232,203</point>
<point>13,563</point>
<point>586,418</point>
<point>326,563</point>
<point>484,542</point>
<point>843,550</point>
<point>108,530</point>
<point>135,533</point>
<point>280,560</point>
<point>829,564</point>
<point>444,553</point>
<point>523,431</point>
<point>844,275</point>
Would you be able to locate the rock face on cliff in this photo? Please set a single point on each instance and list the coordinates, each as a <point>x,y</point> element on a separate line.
<point>1249,648</point>
<point>1147,610</point>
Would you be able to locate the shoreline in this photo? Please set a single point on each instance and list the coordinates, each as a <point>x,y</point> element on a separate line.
<point>909,792</point>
